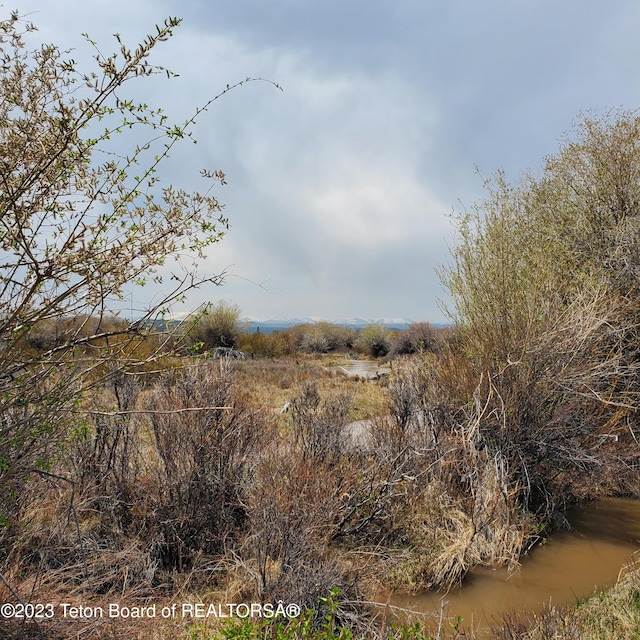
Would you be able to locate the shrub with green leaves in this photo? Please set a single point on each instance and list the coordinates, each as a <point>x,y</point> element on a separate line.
<point>374,340</point>
<point>217,325</point>
<point>545,282</point>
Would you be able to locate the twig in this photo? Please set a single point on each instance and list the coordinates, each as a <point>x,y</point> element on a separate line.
<point>72,510</point>
<point>155,411</point>
<point>21,601</point>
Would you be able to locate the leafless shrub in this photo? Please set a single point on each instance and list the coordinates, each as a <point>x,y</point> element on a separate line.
<point>419,337</point>
<point>294,511</point>
<point>315,341</point>
<point>107,441</point>
<point>319,425</point>
<point>418,401</point>
<point>320,337</point>
<point>461,489</point>
<point>311,499</point>
<point>148,495</point>
<point>264,345</point>
<point>68,552</point>
<point>206,437</point>
<point>545,286</point>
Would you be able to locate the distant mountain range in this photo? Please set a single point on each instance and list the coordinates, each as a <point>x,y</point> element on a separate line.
<point>270,325</point>
<point>278,324</point>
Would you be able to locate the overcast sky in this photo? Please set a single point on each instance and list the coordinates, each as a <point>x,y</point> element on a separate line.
<point>340,188</point>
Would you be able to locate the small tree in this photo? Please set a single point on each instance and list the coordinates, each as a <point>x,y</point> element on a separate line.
<point>218,325</point>
<point>82,215</point>
<point>375,340</point>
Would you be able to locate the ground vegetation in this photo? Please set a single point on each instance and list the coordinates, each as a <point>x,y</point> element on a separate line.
<point>137,469</point>
<point>543,281</point>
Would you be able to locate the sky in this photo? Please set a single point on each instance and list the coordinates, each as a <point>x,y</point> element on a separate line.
<point>341,188</point>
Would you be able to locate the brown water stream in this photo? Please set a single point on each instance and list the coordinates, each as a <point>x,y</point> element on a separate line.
<point>571,565</point>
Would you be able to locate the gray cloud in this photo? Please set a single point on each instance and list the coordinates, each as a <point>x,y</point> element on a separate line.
<point>339,188</point>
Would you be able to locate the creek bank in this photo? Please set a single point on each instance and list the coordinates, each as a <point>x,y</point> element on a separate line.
<point>570,565</point>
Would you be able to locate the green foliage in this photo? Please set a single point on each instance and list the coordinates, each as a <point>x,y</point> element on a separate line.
<point>410,632</point>
<point>84,214</point>
<point>218,325</point>
<point>545,280</point>
<point>374,340</point>
<point>307,627</point>
<point>300,628</point>
<point>303,627</point>
<point>264,345</point>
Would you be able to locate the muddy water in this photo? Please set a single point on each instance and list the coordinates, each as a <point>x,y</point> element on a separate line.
<point>570,565</point>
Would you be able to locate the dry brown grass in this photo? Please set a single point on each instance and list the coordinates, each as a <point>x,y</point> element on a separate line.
<point>272,383</point>
<point>248,503</point>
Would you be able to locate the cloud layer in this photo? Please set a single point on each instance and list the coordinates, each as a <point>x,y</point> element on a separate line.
<point>340,187</point>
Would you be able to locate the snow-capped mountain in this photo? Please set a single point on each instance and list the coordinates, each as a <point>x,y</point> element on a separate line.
<point>268,325</point>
